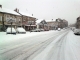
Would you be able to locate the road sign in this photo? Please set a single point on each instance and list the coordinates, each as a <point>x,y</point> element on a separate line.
<point>10,20</point>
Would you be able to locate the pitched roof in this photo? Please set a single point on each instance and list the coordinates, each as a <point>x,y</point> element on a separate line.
<point>4,10</point>
<point>26,14</point>
<point>50,20</point>
<point>39,20</point>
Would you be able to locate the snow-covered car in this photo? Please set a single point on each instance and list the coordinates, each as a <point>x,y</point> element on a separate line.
<point>63,28</point>
<point>77,31</point>
<point>59,29</point>
<point>8,30</point>
<point>36,30</point>
<point>73,28</point>
<point>41,29</point>
<point>20,30</point>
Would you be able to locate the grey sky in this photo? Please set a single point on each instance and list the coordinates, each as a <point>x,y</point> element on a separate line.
<point>47,9</point>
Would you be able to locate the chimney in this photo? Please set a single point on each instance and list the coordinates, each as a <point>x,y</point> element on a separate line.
<point>16,10</point>
<point>0,6</point>
<point>32,14</point>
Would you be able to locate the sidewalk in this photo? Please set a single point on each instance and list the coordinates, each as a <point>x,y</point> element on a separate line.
<point>11,37</point>
<point>5,38</point>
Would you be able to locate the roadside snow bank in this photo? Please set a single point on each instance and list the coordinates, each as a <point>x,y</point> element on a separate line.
<point>5,38</point>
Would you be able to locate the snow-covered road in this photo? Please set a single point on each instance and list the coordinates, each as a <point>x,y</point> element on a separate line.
<point>58,45</point>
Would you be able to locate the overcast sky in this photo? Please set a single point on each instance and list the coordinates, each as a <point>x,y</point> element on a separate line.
<point>47,9</point>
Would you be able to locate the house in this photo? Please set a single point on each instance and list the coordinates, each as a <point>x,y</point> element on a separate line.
<point>56,23</point>
<point>62,23</point>
<point>78,23</point>
<point>6,15</point>
<point>65,23</point>
<point>42,24</point>
<point>52,24</point>
<point>28,21</point>
<point>38,23</point>
<point>47,24</point>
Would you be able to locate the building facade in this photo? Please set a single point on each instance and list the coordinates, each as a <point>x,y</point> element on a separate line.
<point>78,23</point>
<point>43,25</point>
<point>62,23</point>
<point>6,16</point>
<point>28,21</point>
<point>52,25</point>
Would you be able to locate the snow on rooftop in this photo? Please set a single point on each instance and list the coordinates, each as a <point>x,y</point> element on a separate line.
<point>39,20</point>
<point>26,14</point>
<point>50,20</point>
<point>8,11</point>
<point>15,13</point>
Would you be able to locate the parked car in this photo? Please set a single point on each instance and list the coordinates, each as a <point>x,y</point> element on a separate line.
<point>77,31</point>
<point>64,28</point>
<point>46,29</point>
<point>20,30</point>
<point>8,30</point>
<point>41,29</point>
<point>73,28</point>
<point>36,30</point>
<point>59,29</point>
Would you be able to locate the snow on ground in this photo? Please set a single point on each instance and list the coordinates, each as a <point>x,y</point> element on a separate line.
<point>74,41</point>
<point>4,38</point>
<point>45,52</point>
<point>73,48</point>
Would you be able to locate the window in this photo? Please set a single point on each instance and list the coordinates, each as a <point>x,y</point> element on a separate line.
<point>14,19</point>
<point>0,18</point>
<point>19,20</point>
<point>31,22</point>
<point>7,19</point>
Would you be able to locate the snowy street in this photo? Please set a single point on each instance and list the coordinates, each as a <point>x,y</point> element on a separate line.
<point>49,45</point>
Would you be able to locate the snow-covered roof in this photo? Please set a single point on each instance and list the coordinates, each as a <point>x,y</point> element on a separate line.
<point>50,20</point>
<point>26,14</point>
<point>39,20</point>
<point>8,11</point>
